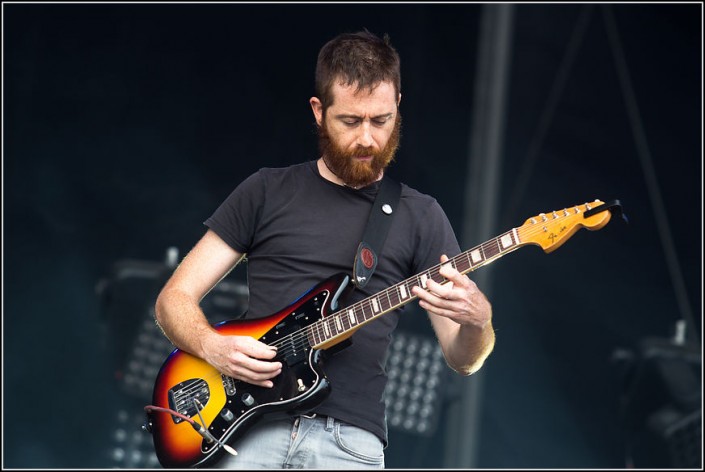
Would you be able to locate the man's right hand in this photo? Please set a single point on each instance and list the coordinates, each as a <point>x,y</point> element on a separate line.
<point>243,358</point>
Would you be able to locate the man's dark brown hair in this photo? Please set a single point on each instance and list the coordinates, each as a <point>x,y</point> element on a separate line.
<point>360,58</point>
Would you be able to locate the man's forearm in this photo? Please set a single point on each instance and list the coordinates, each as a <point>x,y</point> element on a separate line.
<point>182,321</point>
<point>470,348</point>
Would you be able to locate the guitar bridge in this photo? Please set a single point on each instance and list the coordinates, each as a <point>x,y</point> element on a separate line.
<point>229,385</point>
<point>182,396</point>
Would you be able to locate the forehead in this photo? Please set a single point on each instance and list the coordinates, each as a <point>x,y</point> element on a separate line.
<point>351,100</point>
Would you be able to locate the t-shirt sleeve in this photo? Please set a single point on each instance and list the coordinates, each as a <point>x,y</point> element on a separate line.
<point>436,237</point>
<point>235,220</point>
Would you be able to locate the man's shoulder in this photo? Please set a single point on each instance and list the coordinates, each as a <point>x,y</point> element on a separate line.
<point>415,195</point>
<point>420,204</point>
<point>292,170</point>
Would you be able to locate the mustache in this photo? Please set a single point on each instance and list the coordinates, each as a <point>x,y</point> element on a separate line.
<point>364,151</point>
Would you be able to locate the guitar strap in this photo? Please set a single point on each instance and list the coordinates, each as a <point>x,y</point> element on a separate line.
<point>378,224</point>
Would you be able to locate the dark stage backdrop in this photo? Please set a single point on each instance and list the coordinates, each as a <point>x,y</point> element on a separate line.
<point>125,125</point>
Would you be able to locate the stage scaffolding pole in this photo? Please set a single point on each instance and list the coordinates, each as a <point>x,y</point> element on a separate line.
<point>481,206</point>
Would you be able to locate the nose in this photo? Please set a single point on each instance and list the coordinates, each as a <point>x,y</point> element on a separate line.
<point>364,137</point>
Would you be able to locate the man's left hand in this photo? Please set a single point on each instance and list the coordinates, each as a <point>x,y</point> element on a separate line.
<point>458,299</point>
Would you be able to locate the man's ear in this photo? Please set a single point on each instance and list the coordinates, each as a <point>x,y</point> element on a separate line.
<point>399,100</point>
<point>317,108</point>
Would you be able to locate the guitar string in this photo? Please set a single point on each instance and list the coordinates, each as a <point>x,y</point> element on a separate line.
<point>299,340</point>
<point>334,321</point>
<point>316,328</point>
<point>491,247</point>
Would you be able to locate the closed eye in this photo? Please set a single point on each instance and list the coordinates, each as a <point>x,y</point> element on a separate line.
<point>351,121</point>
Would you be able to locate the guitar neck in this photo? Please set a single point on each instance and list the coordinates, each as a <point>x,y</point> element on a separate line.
<point>340,324</point>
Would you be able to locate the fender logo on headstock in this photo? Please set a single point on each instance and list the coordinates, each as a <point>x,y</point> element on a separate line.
<point>550,232</point>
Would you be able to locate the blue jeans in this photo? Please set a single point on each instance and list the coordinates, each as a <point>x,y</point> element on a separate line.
<point>305,442</point>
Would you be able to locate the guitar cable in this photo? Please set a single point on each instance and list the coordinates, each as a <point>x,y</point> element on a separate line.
<point>199,428</point>
<point>203,431</point>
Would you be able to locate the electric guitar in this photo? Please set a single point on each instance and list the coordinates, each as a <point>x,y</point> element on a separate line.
<point>197,411</point>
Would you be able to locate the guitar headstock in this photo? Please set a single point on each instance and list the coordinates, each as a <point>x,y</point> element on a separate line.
<point>551,230</point>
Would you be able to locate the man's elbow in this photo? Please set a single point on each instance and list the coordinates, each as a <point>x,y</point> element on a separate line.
<point>168,301</point>
<point>469,368</point>
<point>159,308</point>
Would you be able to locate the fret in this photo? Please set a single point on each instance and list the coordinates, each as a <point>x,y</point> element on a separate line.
<point>437,274</point>
<point>397,300</point>
<point>375,305</point>
<point>344,321</point>
<point>311,333</point>
<point>326,329</point>
<point>361,312</point>
<point>491,249</point>
<point>423,279</point>
<point>384,303</point>
<point>353,319</point>
<point>408,288</point>
<point>466,257</point>
<point>339,319</point>
<point>390,297</point>
<point>466,265</point>
<point>357,311</point>
<point>317,333</point>
<point>388,292</point>
<point>394,296</point>
<point>506,241</point>
<point>402,292</point>
<point>476,256</point>
<point>367,311</point>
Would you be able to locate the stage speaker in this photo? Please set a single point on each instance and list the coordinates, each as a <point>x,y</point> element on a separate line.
<point>662,406</point>
<point>417,379</point>
<point>138,347</point>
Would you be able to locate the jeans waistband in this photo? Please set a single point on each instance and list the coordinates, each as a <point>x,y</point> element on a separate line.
<point>330,421</point>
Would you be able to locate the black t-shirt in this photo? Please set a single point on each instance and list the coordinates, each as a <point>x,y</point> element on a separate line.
<point>298,229</point>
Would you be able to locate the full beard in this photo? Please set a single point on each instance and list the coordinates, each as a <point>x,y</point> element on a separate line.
<point>353,172</point>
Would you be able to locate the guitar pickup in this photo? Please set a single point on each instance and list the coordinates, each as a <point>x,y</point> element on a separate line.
<point>183,397</point>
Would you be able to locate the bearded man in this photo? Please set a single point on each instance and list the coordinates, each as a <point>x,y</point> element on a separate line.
<point>298,226</point>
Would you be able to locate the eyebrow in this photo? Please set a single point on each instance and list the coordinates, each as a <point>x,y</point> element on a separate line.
<point>343,116</point>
